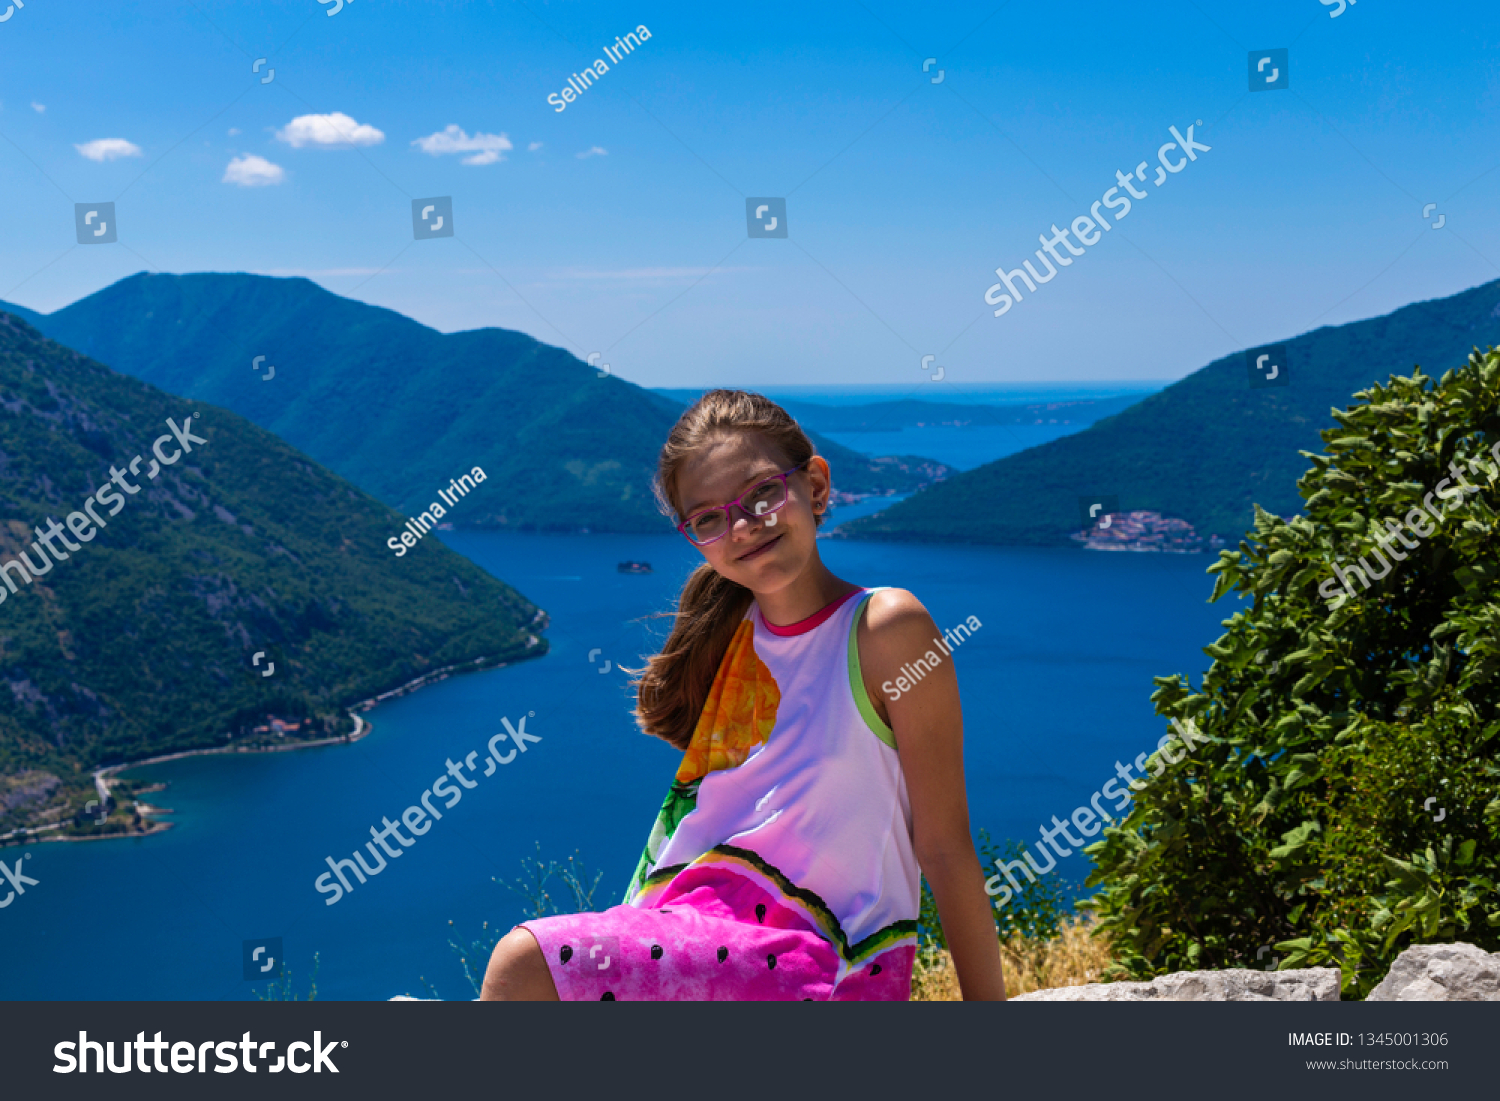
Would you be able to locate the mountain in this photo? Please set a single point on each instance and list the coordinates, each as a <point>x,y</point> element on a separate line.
<point>400,409</point>
<point>31,317</point>
<point>1205,449</point>
<point>141,637</point>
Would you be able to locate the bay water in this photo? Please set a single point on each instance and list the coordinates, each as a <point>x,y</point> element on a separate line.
<point>1055,688</point>
<point>972,445</point>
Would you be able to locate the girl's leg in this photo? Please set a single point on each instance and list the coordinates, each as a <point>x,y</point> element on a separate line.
<point>518,971</point>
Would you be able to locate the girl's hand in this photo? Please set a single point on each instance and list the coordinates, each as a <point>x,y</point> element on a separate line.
<point>926,717</point>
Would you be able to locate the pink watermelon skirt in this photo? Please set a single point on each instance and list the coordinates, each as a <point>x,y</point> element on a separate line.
<point>711,937</point>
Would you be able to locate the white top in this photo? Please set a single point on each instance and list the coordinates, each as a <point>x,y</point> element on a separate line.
<point>793,778</point>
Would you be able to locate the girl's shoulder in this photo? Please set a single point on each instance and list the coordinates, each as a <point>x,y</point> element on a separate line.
<point>889,605</point>
<point>894,629</point>
<point>894,620</point>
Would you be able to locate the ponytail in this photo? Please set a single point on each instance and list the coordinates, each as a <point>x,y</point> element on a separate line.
<point>671,690</point>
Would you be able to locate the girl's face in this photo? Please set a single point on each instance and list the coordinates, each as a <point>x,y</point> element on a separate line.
<point>762,553</point>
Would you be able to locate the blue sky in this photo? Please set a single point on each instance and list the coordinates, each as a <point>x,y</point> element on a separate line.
<point>618,225</point>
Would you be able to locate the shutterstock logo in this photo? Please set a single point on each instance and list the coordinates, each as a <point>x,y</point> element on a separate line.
<point>1089,822</point>
<point>188,1057</point>
<point>87,523</point>
<point>95,223</point>
<point>432,217</point>
<point>17,879</point>
<point>1089,229</point>
<point>261,959</point>
<point>418,819</point>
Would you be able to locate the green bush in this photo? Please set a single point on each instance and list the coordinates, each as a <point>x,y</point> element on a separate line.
<point>1344,805</point>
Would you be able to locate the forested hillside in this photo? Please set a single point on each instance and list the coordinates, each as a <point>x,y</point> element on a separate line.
<point>1206,449</point>
<point>140,638</point>
<point>399,408</point>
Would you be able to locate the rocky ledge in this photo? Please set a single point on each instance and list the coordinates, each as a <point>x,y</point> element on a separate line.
<point>1423,973</point>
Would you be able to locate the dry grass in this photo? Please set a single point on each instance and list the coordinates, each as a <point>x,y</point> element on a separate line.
<point>1075,957</point>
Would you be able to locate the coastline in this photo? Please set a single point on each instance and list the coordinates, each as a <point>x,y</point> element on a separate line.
<point>104,777</point>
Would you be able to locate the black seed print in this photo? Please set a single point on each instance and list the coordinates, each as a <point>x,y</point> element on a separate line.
<point>608,997</point>
<point>656,951</point>
<point>875,970</point>
<point>771,962</point>
<point>566,953</point>
<point>804,999</point>
<point>723,954</point>
<point>760,912</point>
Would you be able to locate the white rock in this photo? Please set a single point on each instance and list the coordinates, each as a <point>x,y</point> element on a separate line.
<point>1311,984</point>
<point>1441,973</point>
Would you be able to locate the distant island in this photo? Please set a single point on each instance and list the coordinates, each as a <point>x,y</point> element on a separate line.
<point>1144,530</point>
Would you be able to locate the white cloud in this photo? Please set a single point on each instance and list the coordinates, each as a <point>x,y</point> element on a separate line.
<point>592,151</point>
<point>108,149</point>
<point>39,108</point>
<point>233,130</point>
<point>533,147</point>
<point>331,130</point>
<point>253,171</point>
<point>485,148</point>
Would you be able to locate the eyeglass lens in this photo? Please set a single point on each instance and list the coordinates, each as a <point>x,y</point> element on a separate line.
<point>764,498</point>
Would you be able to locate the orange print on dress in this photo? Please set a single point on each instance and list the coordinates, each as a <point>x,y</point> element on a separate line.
<point>738,714</point>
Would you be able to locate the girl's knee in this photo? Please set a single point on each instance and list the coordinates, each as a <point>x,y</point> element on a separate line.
<point>517,969</point>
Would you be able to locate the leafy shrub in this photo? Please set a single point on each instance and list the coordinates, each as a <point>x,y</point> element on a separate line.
<point>1344,806</point>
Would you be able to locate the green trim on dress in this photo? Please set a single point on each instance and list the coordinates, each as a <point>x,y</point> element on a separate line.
<point>857,682</point>
<point>817,909</point>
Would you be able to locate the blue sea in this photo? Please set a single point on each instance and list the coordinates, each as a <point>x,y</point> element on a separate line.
<point>974,393</point>
<point>962,448</point>
<point>1055,686</point>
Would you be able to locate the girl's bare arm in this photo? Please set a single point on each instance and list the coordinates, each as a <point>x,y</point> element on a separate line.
<point>928,723</point>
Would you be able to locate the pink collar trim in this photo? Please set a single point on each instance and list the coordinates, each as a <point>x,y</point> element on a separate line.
<point>803,626</point>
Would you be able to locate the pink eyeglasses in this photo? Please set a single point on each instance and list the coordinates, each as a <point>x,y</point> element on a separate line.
<point>709,525</point>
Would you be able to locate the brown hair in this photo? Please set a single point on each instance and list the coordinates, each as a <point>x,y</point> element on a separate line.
<point>671,690</point>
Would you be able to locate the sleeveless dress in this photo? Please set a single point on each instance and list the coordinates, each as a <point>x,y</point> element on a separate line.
<point>781,865</point>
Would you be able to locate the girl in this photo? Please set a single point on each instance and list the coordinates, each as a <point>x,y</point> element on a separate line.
<point>785,861</point>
